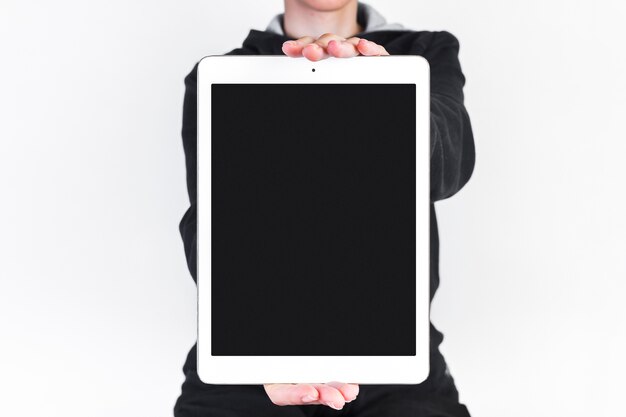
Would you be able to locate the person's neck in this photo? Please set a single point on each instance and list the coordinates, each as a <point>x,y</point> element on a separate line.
<point>302,20</point>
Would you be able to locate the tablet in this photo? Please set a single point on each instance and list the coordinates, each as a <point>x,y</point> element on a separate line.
<point>313,220</point>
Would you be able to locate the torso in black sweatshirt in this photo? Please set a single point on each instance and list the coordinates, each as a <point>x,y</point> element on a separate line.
<point>452,143</point>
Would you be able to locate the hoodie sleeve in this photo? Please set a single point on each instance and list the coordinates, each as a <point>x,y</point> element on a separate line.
<point>452,142</point>
<point>187,225</point>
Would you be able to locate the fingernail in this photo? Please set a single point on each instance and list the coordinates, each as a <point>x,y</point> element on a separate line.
<point>352,399</point>
<point>290,43</point>
<point>332,405</point>
<point>308,398</point>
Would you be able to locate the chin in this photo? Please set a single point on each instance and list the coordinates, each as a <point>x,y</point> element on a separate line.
<point>326,5</point>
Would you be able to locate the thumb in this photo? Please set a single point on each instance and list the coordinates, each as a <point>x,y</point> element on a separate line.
<point>291,394</point>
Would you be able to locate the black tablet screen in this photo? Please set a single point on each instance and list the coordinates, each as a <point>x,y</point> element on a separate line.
<point>313,219</point>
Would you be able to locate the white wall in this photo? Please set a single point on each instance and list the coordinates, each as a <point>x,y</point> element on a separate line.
<point>97,310</point>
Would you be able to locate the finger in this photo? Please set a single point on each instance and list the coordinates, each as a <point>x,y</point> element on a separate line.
<point>330,396</point>
<point>341,49</point>
<point>293,48</point>
<point>353,40</point>
<point>326,38</point>
<point>370,48</point>
<point>349,391</point>
<point>314,52</point>
<point>292,394</point>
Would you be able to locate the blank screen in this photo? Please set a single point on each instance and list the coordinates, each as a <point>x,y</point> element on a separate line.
<point>313,219</point>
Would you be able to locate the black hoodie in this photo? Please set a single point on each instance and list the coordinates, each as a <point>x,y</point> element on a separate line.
<point>452,142</point>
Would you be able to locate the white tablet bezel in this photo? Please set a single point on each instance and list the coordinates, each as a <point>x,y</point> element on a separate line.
<point>278,69</point>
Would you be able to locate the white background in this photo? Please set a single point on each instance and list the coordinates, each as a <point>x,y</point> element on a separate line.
<point>97,309</point>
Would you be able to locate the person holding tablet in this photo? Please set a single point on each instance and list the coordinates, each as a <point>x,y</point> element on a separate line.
<point>339,29</point>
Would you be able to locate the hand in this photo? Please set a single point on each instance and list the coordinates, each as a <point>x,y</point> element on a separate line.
<point>331,45</point>
<point>333,394</point>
